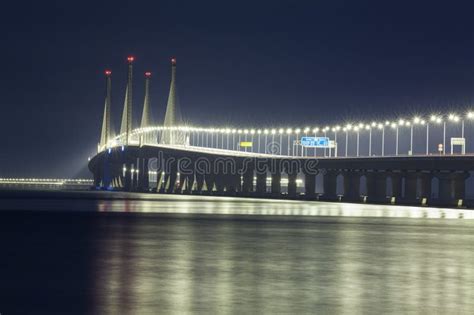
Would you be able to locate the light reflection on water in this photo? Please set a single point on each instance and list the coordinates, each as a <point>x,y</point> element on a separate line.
<point>333,258</point>
<point>227,206</point>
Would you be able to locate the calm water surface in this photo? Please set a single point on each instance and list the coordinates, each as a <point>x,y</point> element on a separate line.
<point>98,253</point>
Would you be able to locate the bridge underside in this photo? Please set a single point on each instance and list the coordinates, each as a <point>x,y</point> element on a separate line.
<point>167,169</point>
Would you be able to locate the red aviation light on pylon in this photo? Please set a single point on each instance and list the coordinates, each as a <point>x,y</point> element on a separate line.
<point>148,74</point>
<point>130,58</point>
<point>108,72</point>
<point>173,61</point>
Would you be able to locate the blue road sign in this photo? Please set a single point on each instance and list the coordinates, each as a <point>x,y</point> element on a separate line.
<point>316,142</point>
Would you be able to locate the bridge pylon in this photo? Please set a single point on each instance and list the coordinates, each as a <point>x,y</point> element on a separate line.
<point>106,134</point>
<point>146,114</point>
<point>126,127</point>
<point>173,115</point>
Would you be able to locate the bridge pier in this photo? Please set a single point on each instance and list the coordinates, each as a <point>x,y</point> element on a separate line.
<point>247,184</point>
<point>127,185</point>
<point>425,187</point>
<point>411,180</point>
<point>452,186</point>
<point>199,183</point>
<point>351,185</point>
<point>143,176</point>
<point>261,187</point>
<point>309,185</point>
<point>379,187</point>
<point>292,172</point>
<point>396,179</point>
<point>445,187</point>
<point>189,178</point>
<point>330,184</point>
<point>459,185</point>
<point>292,184</point>
<point>276,184</point>
<point>172,177</point>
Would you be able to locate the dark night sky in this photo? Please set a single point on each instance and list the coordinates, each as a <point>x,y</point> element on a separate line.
<point>244,63</point>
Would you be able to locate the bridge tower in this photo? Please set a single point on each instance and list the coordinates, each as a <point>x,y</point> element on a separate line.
<point>173,115</point>
<point>126,127</point>
<point>107,132</point>
<point>146,121</point>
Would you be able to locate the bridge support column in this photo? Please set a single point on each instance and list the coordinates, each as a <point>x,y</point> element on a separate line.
<point>261,187</point>
<point>425,186</point>
<point>376,186</point>
<point>351,185</point>
<point>143,176</point>
<point>411,186</point>
<point>309,185</point>
<point>106,175</point>
<point>189,182</point>
<point>220,184</point>
<point>199,183</point>
<point>97,178</point>
<point>210,181</point>
<point>234,183</point>
<point>396,179</point>
<point>329,184</point>
<point>276,184</point>
<point>292,184</point>
<point>127,185</point>
<point>460,185</point>
<point>445,191</point>
<point>247,184</point>
<point>172,176</point>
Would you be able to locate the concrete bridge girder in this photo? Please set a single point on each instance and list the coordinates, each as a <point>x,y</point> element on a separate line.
<point>416,173</point>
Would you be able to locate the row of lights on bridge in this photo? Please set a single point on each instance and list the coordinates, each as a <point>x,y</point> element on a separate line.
<point>355,127</point>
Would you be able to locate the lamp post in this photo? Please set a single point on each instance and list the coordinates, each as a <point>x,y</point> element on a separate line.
<point>427,137</point>
<point>437,120</point>
<point>288,133</point>
<point>239,132</point>
<point>234,131</point>
<point>470,116</point>
<point>369,128</point>
<point>348,127</point>
<point>304,151</point>
<point>252,133</point>
<point>273,137</point>
<point>315,131</point>
<point>246,132</point>
<point>265,132</point>
<point>325,129</point>
<point>259,132</point>
<point>455,118</point>
<point>335,130</point>
<point>280,132</point>
<point>297,132</point>
<point>356,128</point>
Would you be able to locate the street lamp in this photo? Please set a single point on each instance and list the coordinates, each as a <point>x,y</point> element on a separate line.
<point>265,132</point>
<point>239,132</point>
<point>280,132</point>
<point>288,132</point>
<point>347,129</point>
<point>356,128</point>
<point>297,131</point>
<point>273,131</point>
<point>436,120</point>
<point>315,131</point>
<point>259,132</point>
<point>252,133</point>
<point>305,150</point>
<point>335,130</point>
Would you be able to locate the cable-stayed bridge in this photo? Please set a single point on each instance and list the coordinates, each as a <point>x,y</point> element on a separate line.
<point>422,159</point>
